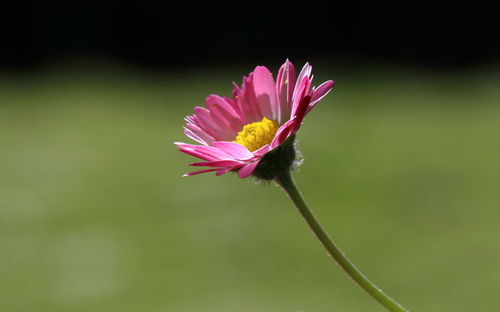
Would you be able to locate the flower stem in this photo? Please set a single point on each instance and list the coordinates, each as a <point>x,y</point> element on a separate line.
<point>286,182</point>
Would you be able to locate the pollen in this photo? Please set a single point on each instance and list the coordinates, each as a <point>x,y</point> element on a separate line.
<point>257,134</point>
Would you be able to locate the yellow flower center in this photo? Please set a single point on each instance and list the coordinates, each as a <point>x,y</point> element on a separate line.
<point>257,134</point>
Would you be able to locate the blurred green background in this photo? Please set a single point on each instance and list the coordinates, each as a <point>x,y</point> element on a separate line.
<point>401,166</point>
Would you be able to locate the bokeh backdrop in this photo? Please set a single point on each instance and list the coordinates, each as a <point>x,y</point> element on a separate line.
<point>401,160</point>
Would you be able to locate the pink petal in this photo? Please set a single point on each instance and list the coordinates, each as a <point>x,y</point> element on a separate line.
<point>305,73</point>
<point>285,84</point>
<point>198,172</point>
<point>204,121</point>
<point>234,105</point>
<point>235,150</point>
<point>248,169</point>
<point>223,170</point>
<point>223,103</point>
<point>198,154</point>
<point>301,90</point>
<point>265,92</point>
<point>221,109</point>
<point>198,135</point>
<point>208,153</point>
<point>247,101</point>
<point>212,124</point>
<point>283,132</point>
<point>263,150</point>
<point>193,136</point>
<point>218,163</point>
<point>320,92</point>
<point>301,112</point>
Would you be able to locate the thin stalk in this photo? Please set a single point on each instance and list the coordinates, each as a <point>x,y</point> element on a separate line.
<point>286,182</point>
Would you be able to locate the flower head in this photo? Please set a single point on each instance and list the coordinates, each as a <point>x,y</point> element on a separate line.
<point>252,132</point>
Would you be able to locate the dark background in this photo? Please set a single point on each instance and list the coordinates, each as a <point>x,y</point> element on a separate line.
<point>169,35</point>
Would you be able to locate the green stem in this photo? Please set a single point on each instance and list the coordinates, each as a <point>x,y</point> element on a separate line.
<point>286,182</point>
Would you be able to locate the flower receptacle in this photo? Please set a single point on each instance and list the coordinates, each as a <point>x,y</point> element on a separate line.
<point>277,161</point>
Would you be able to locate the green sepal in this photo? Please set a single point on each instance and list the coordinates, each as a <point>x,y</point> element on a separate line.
<point>277,161</point>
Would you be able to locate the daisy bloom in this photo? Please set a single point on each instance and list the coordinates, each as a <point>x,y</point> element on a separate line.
<point>253,131</point>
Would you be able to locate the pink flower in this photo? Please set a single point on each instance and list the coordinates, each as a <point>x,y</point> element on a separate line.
<point>237,133</point>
